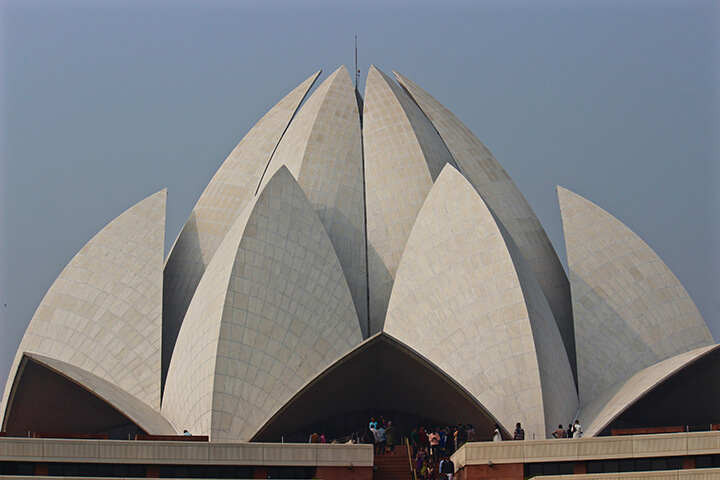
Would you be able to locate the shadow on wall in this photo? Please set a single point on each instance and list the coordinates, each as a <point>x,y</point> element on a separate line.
<point>178,289</point>
<point>347,247</point>
<point>609,350</point>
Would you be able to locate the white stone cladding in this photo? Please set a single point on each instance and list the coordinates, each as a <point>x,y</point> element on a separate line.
<point>403,157</point>
<point>271,313</point>
<point>599,413</point>
<point>226,196</point>
<point>630,310</point>
<point>458,301</point>
<point>556,376</point>
<point>335,224</point>
<point>322,148</point>
<point>505,200</point>
<point>103,312</point>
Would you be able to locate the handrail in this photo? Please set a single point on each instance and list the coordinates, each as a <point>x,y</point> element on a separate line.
<point>412,464</point>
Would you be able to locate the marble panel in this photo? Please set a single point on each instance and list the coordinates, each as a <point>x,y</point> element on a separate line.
<point>505,200</point>
<point>224,199</point>
<point>87,318</point>
<point>630,311</point>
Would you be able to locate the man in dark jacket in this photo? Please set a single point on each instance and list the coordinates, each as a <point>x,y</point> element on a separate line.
<point>447,468</point>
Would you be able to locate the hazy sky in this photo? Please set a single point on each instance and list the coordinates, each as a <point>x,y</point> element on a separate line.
<point>104,103</point>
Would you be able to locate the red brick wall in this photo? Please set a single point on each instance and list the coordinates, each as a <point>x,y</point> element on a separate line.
<point>41,469</point>
<point>344,473</point>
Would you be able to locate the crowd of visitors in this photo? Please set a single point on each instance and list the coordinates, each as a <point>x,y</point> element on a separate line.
<point>431,447</point>
<point>382,434</point>
<point>315,438</point>
<point>574,431</point>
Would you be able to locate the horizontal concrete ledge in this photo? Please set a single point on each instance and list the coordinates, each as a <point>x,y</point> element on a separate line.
<point>594,448</point>
<point>184,453</point>
<point>699,474</point>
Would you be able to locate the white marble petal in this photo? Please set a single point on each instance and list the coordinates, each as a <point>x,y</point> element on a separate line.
<point>322,148</point>
<point>403,157</point>
<point>601,412</point>
<point>630,310</point>
<point>506,201</point>
<point>271,312</point>
<point>461,300</point>
<point>103,312</point>
<point>226,196</point>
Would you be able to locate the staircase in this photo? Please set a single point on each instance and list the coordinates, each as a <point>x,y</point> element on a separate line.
<point>393,467</point>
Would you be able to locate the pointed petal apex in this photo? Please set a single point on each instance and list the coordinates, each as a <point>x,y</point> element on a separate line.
<point>653,311</point>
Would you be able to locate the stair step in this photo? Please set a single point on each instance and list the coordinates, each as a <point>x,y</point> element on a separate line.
<point>392,467</point>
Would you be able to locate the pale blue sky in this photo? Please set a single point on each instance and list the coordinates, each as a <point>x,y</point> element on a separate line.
<point>105,103</point>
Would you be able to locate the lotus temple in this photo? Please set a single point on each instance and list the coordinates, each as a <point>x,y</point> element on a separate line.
<point>359,255</point>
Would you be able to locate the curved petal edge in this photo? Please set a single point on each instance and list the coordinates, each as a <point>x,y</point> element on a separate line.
<point>459,301</point>
<point>272,311</point>
<point>630,310</point>
<point>103,312</point>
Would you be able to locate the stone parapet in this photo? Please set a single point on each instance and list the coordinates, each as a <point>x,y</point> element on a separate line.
<point>584,449</point>
<point>184,453</point>
<point>701,474</point>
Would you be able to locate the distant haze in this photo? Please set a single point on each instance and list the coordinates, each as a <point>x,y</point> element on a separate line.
<point>104,103</point>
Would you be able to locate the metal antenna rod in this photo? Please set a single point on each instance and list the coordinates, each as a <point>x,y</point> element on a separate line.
<point>357,72</point>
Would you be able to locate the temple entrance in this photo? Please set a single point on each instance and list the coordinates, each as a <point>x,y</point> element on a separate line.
<point>45,401</point>
<point>343,427</point>
<point>381,377</point>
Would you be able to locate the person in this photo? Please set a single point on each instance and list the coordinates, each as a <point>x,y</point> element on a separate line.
<point>450,440</point>
<point>314,438</point>
<point>570,430</point>
<point>423,473</point>
<point>430,474</point>
<point>461,435</point>
<point>186,433</point>
<point>390,436</point>
<point>373,423</point>
<point>443,436</point>
<point>577,430</point>
<point>560,432</point>
<point>423,438</point>
<point>369,438</point>
<point>381,438</point>
<point>434,439</point>
<point>497,436</point>
<point>414,441</point>
<point>519,432</point>
<point>419,458</point>
<point>442,467</point>
<point>322,438</point>
<point>470,433</point>
<point>447,468</point>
